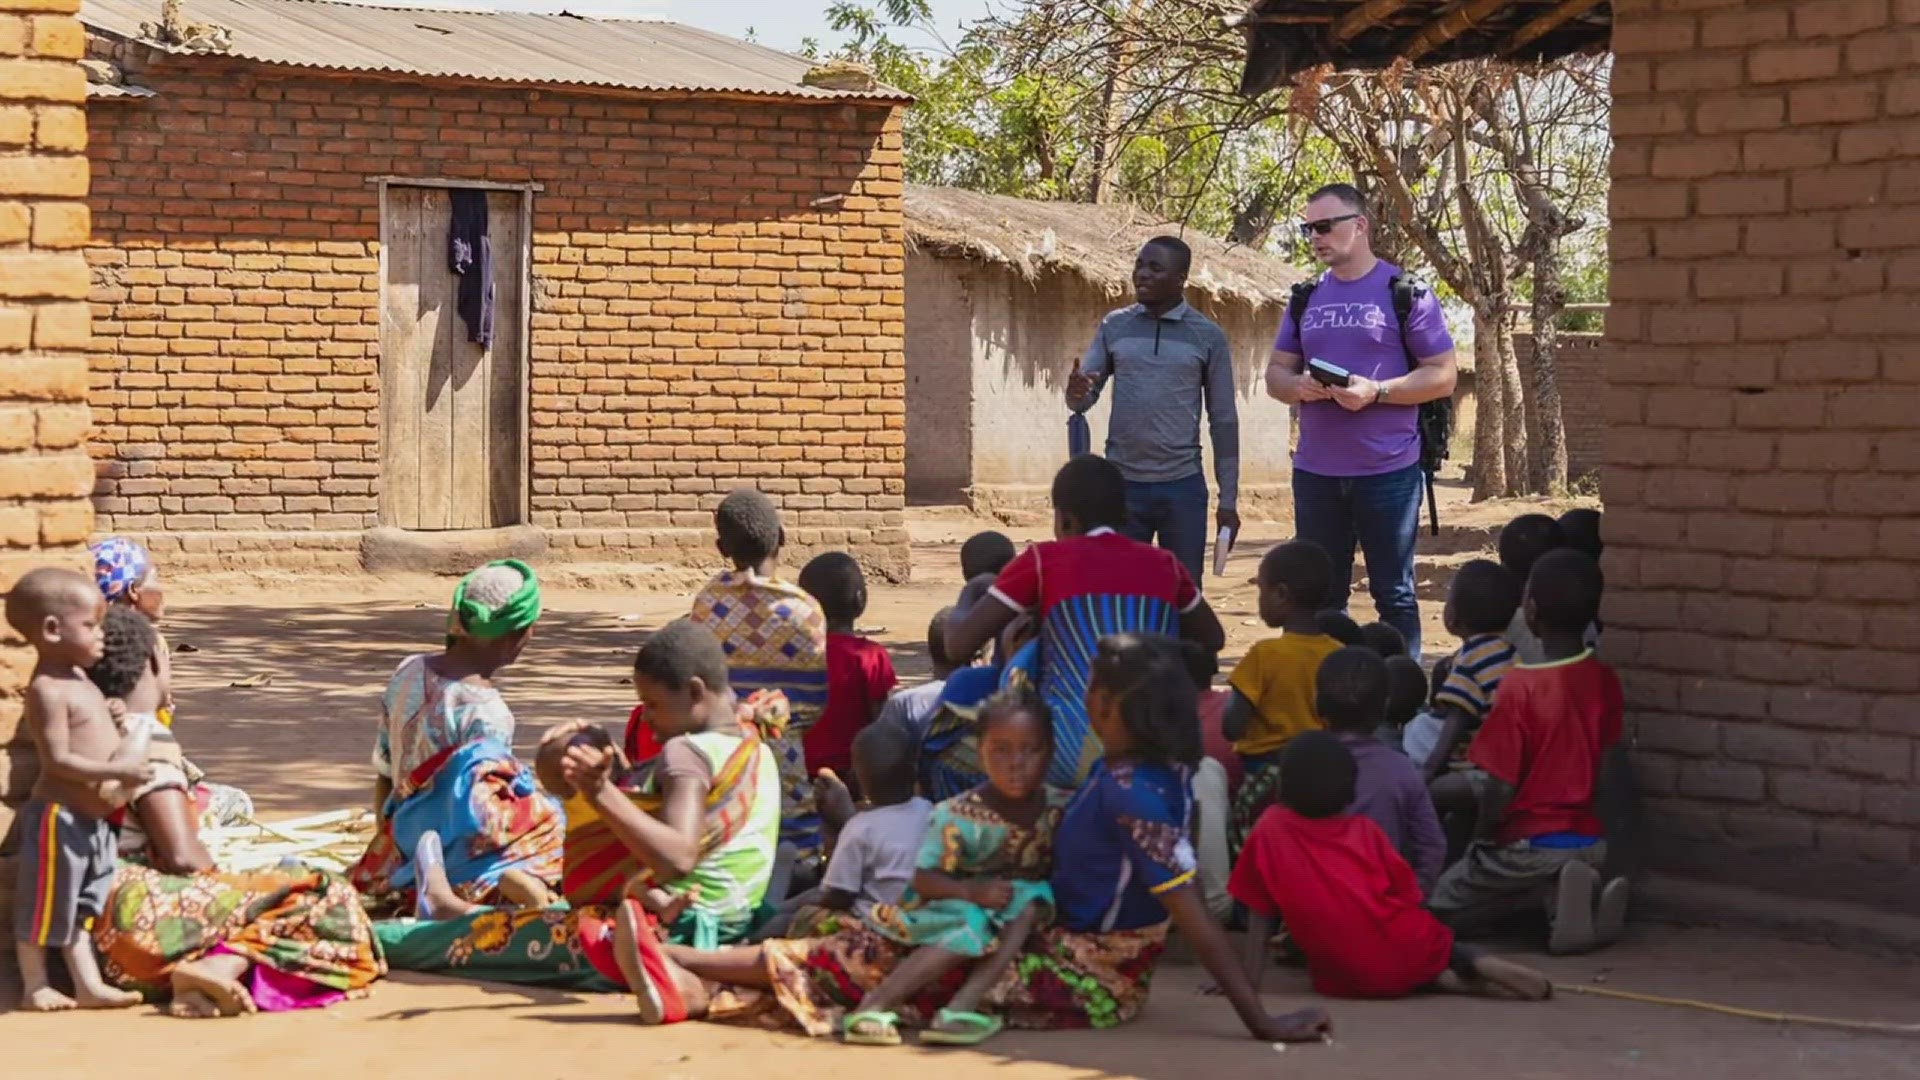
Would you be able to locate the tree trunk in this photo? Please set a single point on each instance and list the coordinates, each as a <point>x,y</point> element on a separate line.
<point>1513,406</point>
<point>1113,108</point>
<point>1545,421</point>
<point>1489,414</point>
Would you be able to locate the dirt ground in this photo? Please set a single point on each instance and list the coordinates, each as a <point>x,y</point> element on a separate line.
<point>300,744</point>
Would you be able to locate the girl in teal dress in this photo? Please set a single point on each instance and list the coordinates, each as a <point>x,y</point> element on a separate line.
<point>980,885</point>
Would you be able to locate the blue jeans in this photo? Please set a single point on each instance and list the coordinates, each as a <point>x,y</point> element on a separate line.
<point>1175,511</point>
<point>1380,513</point>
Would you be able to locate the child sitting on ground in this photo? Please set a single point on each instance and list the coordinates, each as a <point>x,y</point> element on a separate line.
<point>912,711</point>
<point>1215,780</point>
<point>859,671</point>
<point>1480,607</point>
<point>980,883</point>
<point>985,554</point>
<point>1384,640</point>
<point>775,638</point>
<point>982,558</point>
<point>1524,540</point>
<point>67,853</point>
<point>1407,694</point>
<point>1349,900</point>
<point>1273,686</point>
<point>874,852</point>
<point>1539,757</point>
<point>1353,689</point>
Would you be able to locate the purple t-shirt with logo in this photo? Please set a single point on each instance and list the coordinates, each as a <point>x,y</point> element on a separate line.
<point>1351,324</point>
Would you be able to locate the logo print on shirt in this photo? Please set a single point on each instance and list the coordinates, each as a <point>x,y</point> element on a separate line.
<point>1343,317</point>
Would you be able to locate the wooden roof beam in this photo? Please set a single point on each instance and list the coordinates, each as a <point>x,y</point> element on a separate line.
<point>1456,21</point>
<point>1363,18</point>
<point>1559,15</point>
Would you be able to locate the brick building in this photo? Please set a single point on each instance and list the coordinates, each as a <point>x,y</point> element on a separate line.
<point>1762,476</point>
<point>1762,462</point>
<point>697,258</point>
<point>44,471</point>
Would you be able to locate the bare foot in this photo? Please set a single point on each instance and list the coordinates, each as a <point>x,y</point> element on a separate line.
<point>47,999</point>
<point>106,997</point>
<point>522,889</point>
<point>193,1005</point>
<point>227,995</point>
<point>833,798</point>
<point>1504,978</point>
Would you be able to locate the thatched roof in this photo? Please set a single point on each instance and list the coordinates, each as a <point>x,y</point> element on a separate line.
<point>1286,37</point>
<point>1096,242</point>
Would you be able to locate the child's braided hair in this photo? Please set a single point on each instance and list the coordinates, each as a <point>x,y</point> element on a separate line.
<point>1150,675</point>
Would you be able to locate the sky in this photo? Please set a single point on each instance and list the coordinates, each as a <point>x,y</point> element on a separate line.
<point>779,24</point>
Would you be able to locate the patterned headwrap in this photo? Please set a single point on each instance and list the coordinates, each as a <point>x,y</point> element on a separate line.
<point>471,618</point>
<point>119,564</point>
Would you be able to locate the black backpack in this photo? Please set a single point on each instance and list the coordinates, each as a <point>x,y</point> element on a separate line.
<point>1436,417</point>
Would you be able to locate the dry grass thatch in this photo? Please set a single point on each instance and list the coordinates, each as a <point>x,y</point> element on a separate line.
<point>1096,242</point>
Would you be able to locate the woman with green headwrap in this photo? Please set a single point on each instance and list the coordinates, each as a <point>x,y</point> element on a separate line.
<point>446,778</point>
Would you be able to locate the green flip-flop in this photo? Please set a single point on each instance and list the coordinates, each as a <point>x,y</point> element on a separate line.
<point>886,1033</point>
<point>979,1028</point>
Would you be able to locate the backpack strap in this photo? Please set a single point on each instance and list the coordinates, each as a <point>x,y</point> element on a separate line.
<point>1406,291</point>
<point>1297,307</point>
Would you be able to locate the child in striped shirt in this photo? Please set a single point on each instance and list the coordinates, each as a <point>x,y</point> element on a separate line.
<point>1479,608</point>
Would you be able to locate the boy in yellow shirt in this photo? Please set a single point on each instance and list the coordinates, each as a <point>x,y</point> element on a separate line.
<point>1275,684</point>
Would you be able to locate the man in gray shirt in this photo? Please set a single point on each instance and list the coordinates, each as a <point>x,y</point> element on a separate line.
<point>1165,359</point>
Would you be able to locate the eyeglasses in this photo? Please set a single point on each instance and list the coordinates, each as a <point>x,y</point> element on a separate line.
<point>1325,225</point>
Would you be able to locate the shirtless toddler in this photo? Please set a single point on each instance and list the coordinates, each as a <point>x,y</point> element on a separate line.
<point>67,851</point>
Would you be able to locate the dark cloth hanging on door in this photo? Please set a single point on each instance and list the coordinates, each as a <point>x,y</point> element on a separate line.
<point>470,255</point>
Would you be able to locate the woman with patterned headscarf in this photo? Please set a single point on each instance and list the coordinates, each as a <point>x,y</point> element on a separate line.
<point>446,779</point>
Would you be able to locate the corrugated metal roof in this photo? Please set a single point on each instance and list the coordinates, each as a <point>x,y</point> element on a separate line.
<point>507,47</point>
<point>106,90</point>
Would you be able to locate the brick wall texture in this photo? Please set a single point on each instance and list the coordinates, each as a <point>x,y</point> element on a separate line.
<point>44,471</point>
<point>717,299</point>
<point>1580,373</point>
<point>1763,464</point>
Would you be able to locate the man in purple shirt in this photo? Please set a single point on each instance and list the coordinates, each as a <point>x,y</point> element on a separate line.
<point>1356,475</point>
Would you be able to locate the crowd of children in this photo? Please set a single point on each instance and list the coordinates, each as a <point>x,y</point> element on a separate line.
<point>1333,798</point>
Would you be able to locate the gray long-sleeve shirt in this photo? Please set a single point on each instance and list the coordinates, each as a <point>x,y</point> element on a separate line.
<point>1162,369</point>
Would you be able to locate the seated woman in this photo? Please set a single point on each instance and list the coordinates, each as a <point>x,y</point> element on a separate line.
<point>696,828</point>
<point>1123,874</point>
<point>220,944</point>
<point>1089,582</point>
<point>444,759</point>
<point>130,582</point>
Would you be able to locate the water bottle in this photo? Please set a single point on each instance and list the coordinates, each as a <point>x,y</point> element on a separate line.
<point>1079,436</point>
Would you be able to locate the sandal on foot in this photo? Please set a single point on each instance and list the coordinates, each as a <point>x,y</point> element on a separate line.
<point>645,967</point>
<point>886,1027</point>
<point>1610,918</point>
<point>1575,891</point>
<point>979,1027</point>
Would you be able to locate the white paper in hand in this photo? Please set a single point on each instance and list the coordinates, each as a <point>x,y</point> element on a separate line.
<point>1222,547</point>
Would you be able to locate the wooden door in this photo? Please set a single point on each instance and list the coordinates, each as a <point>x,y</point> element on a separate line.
<point>452,413</point>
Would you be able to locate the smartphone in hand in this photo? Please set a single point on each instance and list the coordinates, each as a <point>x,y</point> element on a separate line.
<point>1329,374</point>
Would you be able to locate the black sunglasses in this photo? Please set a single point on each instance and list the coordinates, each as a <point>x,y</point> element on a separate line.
<point>1325,225</point>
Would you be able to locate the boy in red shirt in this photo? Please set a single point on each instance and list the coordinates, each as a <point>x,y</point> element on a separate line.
<point>1537,764</point>
<point>1349,900</point>
<point>859,672</point>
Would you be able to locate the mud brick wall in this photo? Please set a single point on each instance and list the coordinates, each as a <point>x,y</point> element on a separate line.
<point>1581,376</point>
<point>1762,479</point>
<point>44,471</point>
<point>718,299</point>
